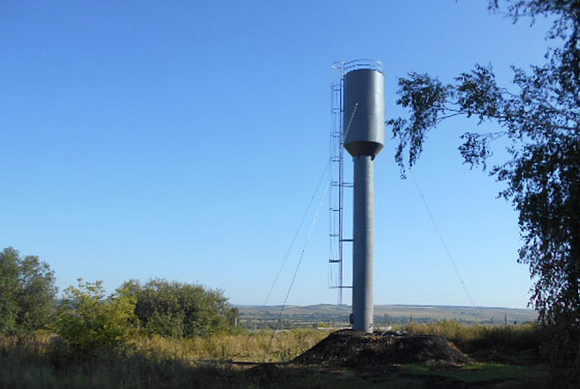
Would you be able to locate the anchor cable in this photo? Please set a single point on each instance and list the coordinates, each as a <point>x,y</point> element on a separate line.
<point>297,232</point>
<point>448,252</point>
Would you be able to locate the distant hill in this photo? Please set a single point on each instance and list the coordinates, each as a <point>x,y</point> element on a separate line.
<point>337,315</point>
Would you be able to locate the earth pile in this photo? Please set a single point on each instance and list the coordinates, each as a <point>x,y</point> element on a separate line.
<point>357,349</point>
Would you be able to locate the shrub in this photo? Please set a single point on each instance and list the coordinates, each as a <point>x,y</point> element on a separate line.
<point>179,310</point>
<point>90,322</point>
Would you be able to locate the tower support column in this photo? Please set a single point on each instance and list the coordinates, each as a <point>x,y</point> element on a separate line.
<point>363,243</point>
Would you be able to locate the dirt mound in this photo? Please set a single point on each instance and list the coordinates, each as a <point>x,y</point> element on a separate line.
<point>357,349</point>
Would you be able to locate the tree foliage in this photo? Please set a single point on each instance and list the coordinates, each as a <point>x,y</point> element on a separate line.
<point>27,292</point>
<point>90,321</point>
<point>179,310</point>
<point>540,117</point>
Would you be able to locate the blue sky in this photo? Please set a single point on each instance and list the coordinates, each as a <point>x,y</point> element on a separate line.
<point>185,139</point>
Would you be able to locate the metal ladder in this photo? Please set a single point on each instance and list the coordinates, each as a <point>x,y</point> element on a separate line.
<point>337,187</point>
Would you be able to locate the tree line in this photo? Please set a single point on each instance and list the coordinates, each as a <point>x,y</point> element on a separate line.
<point>88,318</point>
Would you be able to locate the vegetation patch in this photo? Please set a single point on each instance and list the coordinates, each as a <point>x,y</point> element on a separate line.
<point>487,375</point>
<point>42,360</point>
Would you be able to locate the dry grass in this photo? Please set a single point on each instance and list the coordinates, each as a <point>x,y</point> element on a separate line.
<point>488,342</point>
<point>41,361</point>
<point>264,346</point>
<point>456,331</point>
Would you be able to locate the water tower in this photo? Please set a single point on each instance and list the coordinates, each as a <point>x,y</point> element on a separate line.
<point>364,137</point>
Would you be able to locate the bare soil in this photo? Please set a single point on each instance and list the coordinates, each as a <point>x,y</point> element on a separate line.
<point>350,348</point>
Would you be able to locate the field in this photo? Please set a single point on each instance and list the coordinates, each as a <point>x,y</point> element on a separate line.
<point>252,316</point>
<point>504,357</point>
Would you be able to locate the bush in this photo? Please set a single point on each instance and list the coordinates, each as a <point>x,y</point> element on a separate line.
<point>89,322</point>
<point>179,310</point>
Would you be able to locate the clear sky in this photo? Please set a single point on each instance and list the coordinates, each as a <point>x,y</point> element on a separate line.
<point>185,139</point>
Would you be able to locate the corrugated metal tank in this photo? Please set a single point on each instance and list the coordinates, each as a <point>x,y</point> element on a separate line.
<point>364,112</point>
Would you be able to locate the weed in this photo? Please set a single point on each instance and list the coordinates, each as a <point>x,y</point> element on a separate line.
<point>489,342</point>
<point>43,360</point>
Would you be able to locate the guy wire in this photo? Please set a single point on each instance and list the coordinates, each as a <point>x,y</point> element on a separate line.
<point>443,242</point>
<point>297,232</point>
<point>314,221</point>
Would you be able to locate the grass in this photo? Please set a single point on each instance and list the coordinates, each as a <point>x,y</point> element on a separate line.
<point>40,360</point>
<point>454,330</point>
<point>511,376</point>
<point>505,343</point>
<point>262,347</point>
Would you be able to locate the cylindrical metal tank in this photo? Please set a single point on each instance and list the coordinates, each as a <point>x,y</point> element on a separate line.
<point>364,112</point>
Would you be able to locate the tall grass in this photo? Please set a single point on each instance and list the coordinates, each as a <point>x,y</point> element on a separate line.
<point>265,346</point>
<point>485,340</point>
<point>43,361</point>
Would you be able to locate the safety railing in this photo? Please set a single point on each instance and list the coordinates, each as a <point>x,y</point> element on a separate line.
<point>349,66</point>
